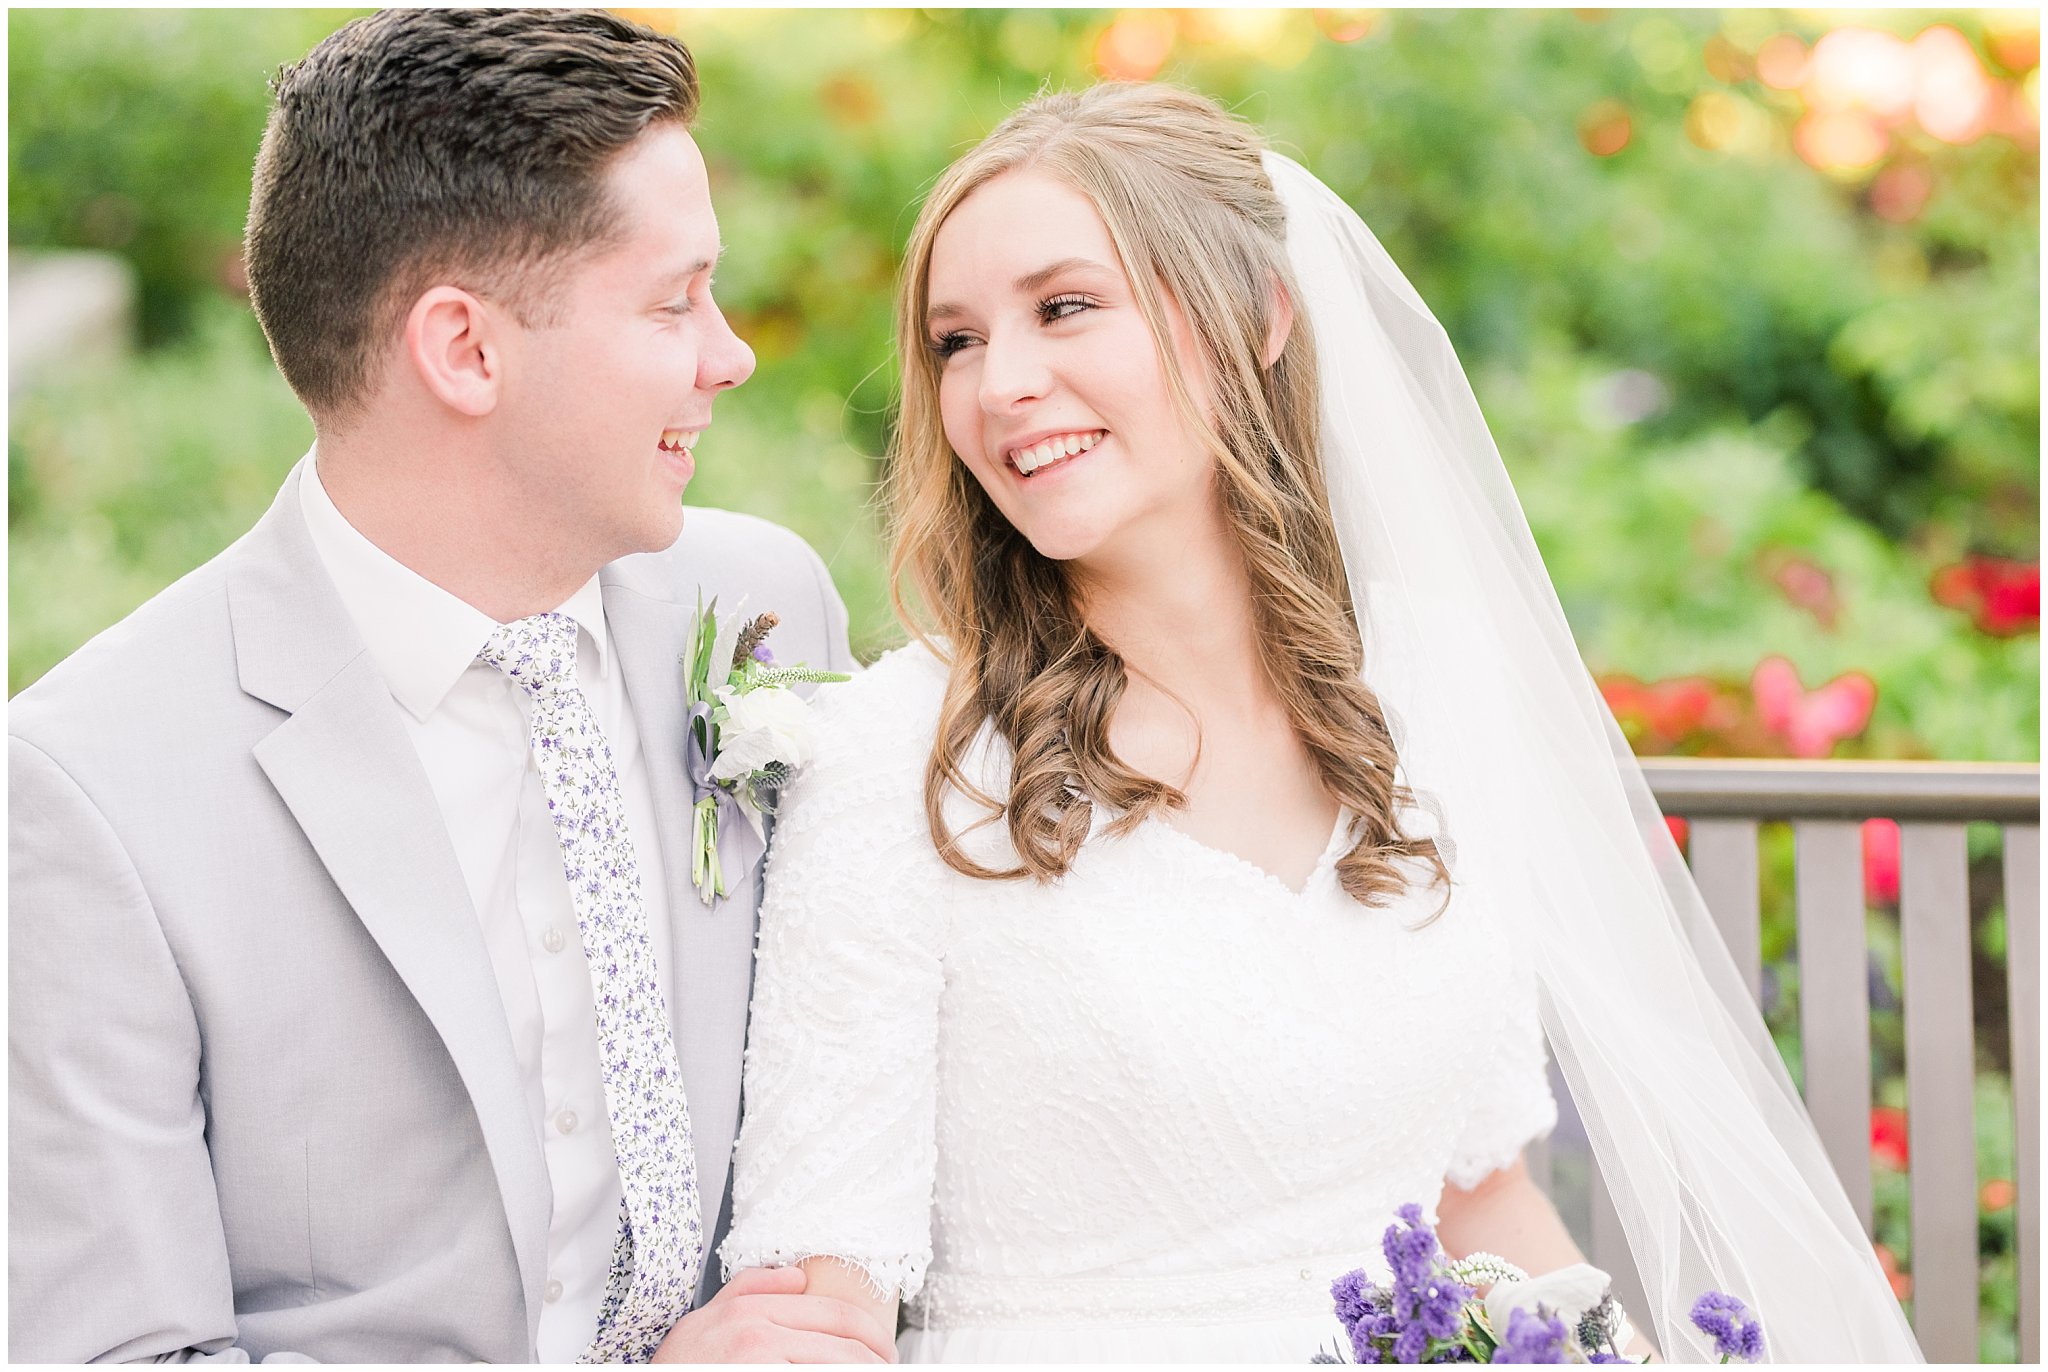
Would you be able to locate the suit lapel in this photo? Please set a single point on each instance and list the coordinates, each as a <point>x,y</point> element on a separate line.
<point>647,634</point>
<point>346,768</point>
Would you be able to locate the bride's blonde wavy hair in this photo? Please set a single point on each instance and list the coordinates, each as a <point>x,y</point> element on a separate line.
<point>1180,187</point>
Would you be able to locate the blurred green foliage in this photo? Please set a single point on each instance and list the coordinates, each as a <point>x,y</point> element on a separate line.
<point>1708,354</point>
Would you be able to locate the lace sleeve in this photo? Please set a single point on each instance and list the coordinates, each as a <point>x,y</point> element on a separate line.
<point>836,1153</point>
<point>1510,1082</point>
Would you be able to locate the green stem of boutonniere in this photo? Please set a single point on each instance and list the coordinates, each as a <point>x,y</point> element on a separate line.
<point>704,866</point>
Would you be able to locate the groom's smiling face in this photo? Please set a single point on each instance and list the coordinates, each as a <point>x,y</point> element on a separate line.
<point>602,408</point>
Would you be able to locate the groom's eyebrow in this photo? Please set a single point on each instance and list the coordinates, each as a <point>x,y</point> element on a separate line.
<point>683,276</point>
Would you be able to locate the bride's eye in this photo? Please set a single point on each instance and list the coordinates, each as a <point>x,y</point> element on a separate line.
<point>1062,307</point>
<point>945,345</point>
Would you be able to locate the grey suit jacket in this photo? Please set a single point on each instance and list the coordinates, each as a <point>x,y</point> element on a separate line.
<point>262,1097</point>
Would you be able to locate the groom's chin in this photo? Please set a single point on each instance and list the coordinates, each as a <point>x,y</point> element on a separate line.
<point>662,533</point>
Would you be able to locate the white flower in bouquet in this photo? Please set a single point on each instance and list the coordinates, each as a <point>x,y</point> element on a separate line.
<point>765,727</point>
<point>1568,1293</point>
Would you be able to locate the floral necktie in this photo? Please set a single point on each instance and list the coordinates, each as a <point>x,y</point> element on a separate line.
<point>660,1249</point>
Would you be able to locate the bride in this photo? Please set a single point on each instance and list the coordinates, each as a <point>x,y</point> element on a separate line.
<point>1207,878</point>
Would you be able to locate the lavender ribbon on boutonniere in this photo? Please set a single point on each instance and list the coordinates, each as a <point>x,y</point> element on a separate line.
<point>747,731</point>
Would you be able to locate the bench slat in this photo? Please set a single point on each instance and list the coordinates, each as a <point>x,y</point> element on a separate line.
<point>1834,999</point>
<point>1724,866</point>
<point>2023,991</point>
<point>1934,928</point>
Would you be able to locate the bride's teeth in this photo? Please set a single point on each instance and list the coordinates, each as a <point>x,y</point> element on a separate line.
<point>1029,460</point>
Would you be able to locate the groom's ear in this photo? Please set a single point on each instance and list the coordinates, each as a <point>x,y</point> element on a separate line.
<point>451,341</point>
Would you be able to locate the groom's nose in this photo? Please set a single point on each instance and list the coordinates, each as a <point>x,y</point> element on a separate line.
<point>726,360</point>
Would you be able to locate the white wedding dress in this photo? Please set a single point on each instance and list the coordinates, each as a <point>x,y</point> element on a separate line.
<point>1144,1113</point>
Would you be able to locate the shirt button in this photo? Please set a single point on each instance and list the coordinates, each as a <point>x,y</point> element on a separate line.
<point>554,940</point>
<point>553,1292</point>
<point>565,1121</point>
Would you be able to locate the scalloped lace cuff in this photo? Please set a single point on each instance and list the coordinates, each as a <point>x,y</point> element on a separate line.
<point>901,1278</point>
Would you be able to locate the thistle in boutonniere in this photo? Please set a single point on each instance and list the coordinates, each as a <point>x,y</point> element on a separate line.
<point>748,730</point>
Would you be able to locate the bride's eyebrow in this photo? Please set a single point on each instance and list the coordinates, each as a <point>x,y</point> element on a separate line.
<point>1026,284</point>
<point>1032,281</point>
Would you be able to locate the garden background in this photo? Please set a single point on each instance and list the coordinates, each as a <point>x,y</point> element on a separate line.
<point>1751,299</point>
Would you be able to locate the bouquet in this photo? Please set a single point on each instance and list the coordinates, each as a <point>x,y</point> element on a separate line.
<point>748,730</point>
<point>1432,1312</point>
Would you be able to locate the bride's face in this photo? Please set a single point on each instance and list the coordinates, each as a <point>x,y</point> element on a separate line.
<point>1051,387</point>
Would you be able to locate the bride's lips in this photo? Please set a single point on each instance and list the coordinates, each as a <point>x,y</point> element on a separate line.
<point>676,446</point>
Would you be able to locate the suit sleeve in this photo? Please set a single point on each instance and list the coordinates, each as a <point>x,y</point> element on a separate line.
<point>115,1244</point>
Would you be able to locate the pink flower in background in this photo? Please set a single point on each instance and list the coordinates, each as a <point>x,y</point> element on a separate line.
<point>1811,722</point>
<point>1807,585</point>
<point>1880,861</point>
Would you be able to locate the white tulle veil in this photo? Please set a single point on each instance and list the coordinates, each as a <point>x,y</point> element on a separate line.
<point>1717,1175</point>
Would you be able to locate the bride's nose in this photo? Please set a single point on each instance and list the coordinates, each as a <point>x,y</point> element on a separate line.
<point>1014,371</point>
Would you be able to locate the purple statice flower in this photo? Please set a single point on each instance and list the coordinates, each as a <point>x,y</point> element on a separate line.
<point>1532,1338</point>
<point>1423,1296</point>
<point>762,655</point>
<point>1354,1296</point>
<point>1369,1333</point>
<point>1410,1344</point>
<point>1411,1252</point>
<point>1737,1333</point>
<point>1606,1357</point>
<point>1439,1307</point>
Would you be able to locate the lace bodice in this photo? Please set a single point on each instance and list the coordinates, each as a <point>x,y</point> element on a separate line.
<point>1113,1096</point>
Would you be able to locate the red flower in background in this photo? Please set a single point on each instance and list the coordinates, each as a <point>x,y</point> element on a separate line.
<point>1902,1282</point>
<point>1880,861</point>
<point>1666,712</point>
<point>1888,1137</point>
<point>2002,596</point>
<point>1811,722</point>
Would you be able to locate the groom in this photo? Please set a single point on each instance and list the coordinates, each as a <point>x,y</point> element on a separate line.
<point>308,1054</point>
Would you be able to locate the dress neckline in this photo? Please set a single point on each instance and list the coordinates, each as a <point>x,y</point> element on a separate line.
<point>1250,870</point>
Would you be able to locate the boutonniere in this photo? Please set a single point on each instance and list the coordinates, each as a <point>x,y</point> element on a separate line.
<point>748,730</point>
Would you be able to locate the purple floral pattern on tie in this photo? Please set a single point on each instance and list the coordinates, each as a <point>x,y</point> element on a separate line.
<point>660,1250</point>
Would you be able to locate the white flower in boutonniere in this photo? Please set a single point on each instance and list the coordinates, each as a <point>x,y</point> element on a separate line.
<point>748,730</point>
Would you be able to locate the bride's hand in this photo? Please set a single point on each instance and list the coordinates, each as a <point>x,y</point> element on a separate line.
<point>763,1315</point>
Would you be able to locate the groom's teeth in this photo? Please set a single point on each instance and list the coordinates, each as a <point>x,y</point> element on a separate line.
<point>679,440</point>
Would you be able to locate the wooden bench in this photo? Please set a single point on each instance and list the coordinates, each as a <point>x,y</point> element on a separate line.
<point>1825,802</point>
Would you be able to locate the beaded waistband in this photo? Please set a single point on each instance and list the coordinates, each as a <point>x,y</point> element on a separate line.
<point>1298,1289</point>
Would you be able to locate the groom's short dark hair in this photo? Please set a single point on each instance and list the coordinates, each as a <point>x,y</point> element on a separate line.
<point>464,145</point>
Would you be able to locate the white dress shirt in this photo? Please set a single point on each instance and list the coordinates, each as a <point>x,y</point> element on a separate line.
<point>469,723</point>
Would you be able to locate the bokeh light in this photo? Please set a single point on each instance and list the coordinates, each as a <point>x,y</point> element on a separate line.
<point>1855,68</point>
<point>1781,62</point>
<point>1135,45</point>
<point>1900,192</point>
<point>1604,127</point>
<point>1840,141</point>
<point>1952,97</point>
<point>1346,26</point>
